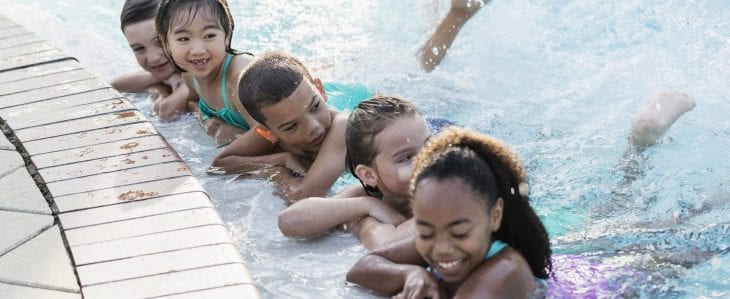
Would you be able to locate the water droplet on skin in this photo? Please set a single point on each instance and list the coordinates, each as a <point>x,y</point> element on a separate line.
<point>435,50</point>
<point>658,106</point>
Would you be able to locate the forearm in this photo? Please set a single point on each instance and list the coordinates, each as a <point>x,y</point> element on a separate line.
<point>248,152</point>
<point>168,107</point>
<point>314,215</point>
<point>373,234</point>
<point>379,274</point>
<point>138,81</point>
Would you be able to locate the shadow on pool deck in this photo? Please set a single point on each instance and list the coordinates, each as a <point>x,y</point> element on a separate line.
<point>94,202</point>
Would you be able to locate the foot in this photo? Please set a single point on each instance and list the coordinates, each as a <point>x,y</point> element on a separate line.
<point>654,119</point>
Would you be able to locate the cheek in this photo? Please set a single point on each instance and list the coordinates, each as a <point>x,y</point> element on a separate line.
<point>141,59</point>
<point>404,176</point>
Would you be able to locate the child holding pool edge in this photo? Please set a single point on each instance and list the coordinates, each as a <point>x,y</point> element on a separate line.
<point>196,37</point>
<point>469,195</point>
<point>383,134</point>
<point>157,76</point>
<point>306,140</point>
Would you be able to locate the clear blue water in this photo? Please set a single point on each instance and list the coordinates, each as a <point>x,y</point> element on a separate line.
<point>559,80</point>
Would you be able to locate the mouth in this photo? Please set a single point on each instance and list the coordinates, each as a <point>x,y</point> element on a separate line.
<point>199,63</point>
<point>160,66</point>
<point>318,140</point>
<point>451,268</point>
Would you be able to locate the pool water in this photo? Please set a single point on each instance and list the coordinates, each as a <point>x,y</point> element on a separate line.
<point>559,80</point>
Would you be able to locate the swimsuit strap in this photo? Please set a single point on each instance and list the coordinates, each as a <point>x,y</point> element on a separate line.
<point>495,248</point>
<point>223,80</point>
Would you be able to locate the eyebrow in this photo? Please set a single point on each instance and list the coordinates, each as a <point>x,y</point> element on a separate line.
<point>452,223</point>
<point>281,126</point>
<point>185,29</point>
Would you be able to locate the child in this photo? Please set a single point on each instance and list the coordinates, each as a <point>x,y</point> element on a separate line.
<point>383,135</point>
<point>196,37</point>
<point>306,153</point>
<point>434,50</point>
<point>158,74</point>
<point>475,227</point>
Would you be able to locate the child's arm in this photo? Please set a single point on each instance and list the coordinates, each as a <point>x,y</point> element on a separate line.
<point>375,234</point>
<point>506,275</point>
<point>175,103</point>
<point>389,276</point>
<point>250,152</point>
<point>137,81</point>
<point>315,215</point>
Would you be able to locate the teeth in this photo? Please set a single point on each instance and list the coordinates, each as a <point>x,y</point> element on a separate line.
<point>449,265</point>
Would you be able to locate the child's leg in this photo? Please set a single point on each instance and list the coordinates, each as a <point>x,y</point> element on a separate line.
<point>435,48</point>
<point>654,119</point>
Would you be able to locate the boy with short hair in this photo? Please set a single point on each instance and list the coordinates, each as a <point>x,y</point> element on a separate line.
<point>307,152</point>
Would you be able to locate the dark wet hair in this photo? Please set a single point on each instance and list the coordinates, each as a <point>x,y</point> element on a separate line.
<point>135,11</point>
<point>368,119</point>
<point>491,169</point>
<point>171,10</point>
<point>268,79</point>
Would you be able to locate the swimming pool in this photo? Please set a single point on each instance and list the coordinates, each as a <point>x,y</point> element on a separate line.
<point>558,80</point>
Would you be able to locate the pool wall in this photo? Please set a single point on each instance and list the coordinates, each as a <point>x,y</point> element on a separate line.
<point>124,215</point>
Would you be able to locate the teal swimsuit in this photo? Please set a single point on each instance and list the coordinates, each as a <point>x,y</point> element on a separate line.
<point>345,96</point>
<point>227,114</point>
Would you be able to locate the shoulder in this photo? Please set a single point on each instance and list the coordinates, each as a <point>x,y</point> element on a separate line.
<point>506,275</point>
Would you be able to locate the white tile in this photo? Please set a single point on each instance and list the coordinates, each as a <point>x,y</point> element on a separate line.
<point>119,178</point>
<point>38,114</point>
<point>147,224</point>
<point>247,291</point>
<point>136,192</point>
<point>11,291</point>
<point>29,263</point>
<point>169,284</point>
<point>38,70</point>
<point>19,192</point>
<point>110,164</point>
<point>44,81</point>
<point>16,228</point>
<point>80,125</point>
<point>160,263</point>
<point>99,151</point>
<point>150,244</point>
<point>83,139</point>
<point>10,161</point>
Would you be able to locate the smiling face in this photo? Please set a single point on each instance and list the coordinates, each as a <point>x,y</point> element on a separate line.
<point>142,38</point>
<point>300,120</point>
<point>197,42</point>
<point>453,226</point>
<point>396,145</point>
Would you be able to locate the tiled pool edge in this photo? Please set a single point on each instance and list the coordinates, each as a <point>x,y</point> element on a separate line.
<point>134,219</point>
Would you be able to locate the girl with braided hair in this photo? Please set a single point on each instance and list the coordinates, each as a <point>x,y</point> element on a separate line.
<point>475,228</point>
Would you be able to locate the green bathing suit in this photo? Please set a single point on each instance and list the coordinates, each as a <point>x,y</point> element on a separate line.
<point>226,113</point>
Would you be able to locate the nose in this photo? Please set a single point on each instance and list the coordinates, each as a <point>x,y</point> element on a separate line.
<point>313,126</point>
<point>197,47</point>
<point>442,246</point>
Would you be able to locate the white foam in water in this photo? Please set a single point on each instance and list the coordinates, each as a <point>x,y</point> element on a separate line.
<point>558,80</point>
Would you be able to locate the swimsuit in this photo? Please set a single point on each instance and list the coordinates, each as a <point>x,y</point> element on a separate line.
<point>227,114</point>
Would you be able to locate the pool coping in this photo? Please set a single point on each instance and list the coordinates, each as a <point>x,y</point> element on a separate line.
<point>124,216</point>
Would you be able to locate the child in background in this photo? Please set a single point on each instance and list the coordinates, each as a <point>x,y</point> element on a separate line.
<point>475,227</point>
<point>158,75</point>
<point>196,37</point>
<point>383,135</point>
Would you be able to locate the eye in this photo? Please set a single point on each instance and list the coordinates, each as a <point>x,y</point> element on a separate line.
<point>425,237</point>
<point>314,107</point>
<point>210,35</point>
<point>405,158</point>
<point>138,49</point>
<point>290,128</point>
<point>182,39</point>
<point>460,234</point>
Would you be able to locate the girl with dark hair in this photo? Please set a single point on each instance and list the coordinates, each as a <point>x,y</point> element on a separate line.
<point>475,228</point>
<point>158,75</point>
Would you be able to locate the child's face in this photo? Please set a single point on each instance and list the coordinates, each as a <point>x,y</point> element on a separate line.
<point>142,38</point>
<point>301,120</point>
<point>397,144</point>
<point>199,45</point>
<point>453,226</point>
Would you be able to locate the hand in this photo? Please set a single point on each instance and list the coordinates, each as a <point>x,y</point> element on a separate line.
<point>419,284</point>
<point>384,213</point>
<point>210,125</point>
<point>468,7</point>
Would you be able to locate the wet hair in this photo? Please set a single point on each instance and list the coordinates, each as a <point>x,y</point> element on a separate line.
<point>135,11</point>
<point>170,11</point>
<point>368,119</point>
<point>492,170</point>
<point>269,79</point>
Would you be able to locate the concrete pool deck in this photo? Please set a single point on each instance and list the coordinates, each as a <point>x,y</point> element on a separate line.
<point>93,201</point>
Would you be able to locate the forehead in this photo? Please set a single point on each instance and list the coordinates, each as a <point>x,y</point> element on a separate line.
<point>140,30</point>
<point>291,107</point>
<point>186,16</point>
<point>405,131</point>
<point>446,199</point>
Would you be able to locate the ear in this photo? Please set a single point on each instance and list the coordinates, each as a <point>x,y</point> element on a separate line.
<point>495,216</point>
<point>320,87</point>
<point>367,175</point>
<point>266,134</point>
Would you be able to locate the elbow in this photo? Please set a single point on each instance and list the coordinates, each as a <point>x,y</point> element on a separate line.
<point>289,224</point>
